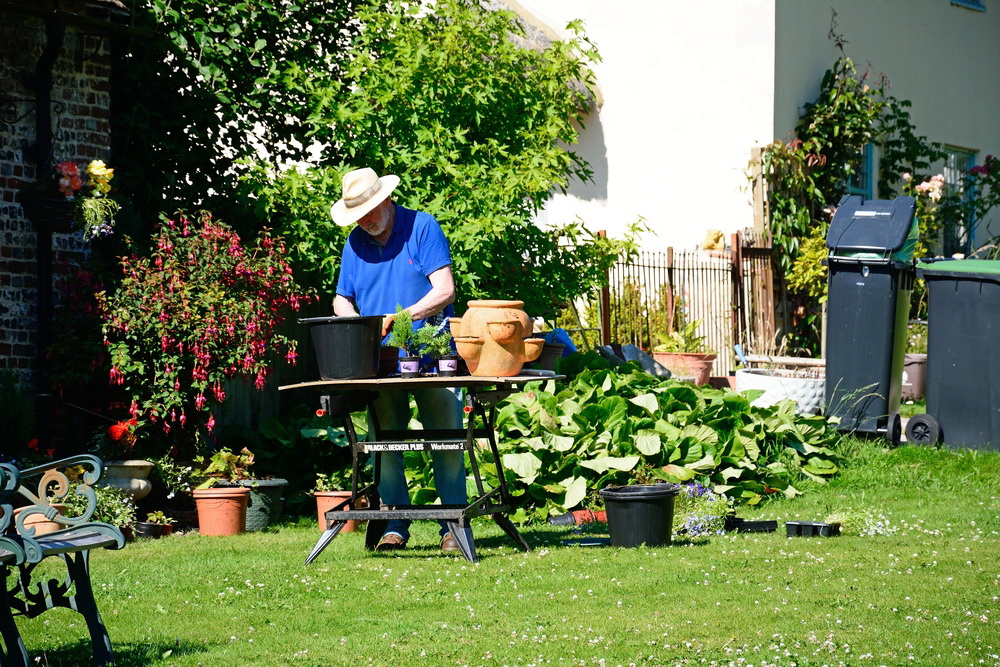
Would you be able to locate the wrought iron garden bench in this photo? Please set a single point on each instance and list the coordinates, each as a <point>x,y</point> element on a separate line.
<point>44,487</point>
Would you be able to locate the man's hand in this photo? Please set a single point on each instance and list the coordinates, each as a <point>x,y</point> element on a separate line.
<point>387,321</point>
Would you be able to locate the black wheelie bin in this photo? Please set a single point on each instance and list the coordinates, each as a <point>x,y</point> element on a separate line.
<point>870,261</point>
<point>963,364</point>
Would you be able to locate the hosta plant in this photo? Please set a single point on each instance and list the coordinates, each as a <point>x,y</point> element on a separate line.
<point>562,441</point>
<point>203,308</point>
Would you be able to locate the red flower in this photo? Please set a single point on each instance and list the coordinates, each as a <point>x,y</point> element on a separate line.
<point>118,431</point>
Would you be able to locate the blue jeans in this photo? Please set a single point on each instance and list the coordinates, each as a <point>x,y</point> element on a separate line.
<point>438,408</point>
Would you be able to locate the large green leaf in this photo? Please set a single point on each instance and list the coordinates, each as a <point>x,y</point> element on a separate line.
<point>576,491</point>
<point>559,443</point>
<point>647,402</point>
<point>525,464</point>
<point>648,444</point>
<point>605,463</point>
<point>678,473</point>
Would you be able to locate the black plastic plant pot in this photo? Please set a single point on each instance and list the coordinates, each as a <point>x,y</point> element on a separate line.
<point>144,529</point>
<point>811,529</point>
<point>640,515</point>
<point>448,365</point>
<point>346,347</point>
<point>409,367</point>
<point>747,526</point>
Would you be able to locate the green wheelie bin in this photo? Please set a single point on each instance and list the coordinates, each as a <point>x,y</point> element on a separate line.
<point>870,261</point>
<point>963,364</point>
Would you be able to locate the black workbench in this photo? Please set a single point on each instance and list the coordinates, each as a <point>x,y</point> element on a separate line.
<point>342,397</point>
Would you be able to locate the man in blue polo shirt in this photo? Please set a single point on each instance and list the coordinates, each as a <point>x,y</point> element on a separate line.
<point>400,257</point>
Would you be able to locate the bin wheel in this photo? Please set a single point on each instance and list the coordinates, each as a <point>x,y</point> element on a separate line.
<point>894,429</point>
<point>923,430</point>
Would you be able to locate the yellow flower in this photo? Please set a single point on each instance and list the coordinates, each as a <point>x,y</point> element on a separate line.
<point>99,177</point>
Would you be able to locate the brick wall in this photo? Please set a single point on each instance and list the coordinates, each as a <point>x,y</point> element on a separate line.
<point>80,133</point>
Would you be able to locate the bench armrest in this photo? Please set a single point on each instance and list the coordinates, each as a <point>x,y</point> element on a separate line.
<point>46,485</point>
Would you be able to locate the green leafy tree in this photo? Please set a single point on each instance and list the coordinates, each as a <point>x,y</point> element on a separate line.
<point>199,85</point>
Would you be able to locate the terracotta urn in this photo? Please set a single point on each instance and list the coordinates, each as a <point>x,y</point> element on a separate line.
<point>494,338</point>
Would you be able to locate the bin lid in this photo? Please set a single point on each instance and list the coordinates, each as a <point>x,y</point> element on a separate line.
<point>988,269</point>
<point>874,225</point>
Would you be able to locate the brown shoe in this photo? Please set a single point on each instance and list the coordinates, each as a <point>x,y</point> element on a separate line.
<point>449,543</point>
<point>391,542</point>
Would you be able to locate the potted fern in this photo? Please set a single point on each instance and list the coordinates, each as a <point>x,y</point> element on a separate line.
<point>683,351</point>
<point>436,344</point>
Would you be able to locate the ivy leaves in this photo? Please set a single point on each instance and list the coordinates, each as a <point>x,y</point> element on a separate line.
<point>611,426</point>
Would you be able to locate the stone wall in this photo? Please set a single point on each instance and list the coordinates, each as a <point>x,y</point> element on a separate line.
<point>80,133</point>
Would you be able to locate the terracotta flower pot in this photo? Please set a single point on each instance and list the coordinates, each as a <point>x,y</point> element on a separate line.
<point>687,365</point>
<point>41,525</point>
<point>222,510</point>
<point>327,500</point>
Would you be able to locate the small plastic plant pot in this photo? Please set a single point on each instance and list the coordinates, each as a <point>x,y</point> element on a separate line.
<point>409,367</point>
<point>764,526</point>
<point>811,529</point>
<point>448,365</point>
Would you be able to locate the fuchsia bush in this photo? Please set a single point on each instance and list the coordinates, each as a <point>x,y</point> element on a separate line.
<point>202,309</point>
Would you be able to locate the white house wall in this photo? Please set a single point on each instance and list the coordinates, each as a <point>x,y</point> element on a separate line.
<point>944,58</point>
<point>687,89</point>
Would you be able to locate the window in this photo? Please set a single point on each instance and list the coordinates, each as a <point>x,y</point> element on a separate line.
<point>957,236</point>
<point>970,4</point>
<point>860,182</point>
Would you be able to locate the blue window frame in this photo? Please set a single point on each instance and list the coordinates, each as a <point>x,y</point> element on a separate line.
<point>860,182</point>
<point>970,4</point>
<point>957,163</point>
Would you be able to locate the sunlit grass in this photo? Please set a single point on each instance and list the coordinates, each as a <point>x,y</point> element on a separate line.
<point>927,595</point>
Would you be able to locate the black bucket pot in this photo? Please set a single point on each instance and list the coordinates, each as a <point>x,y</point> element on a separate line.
<point>640,514</point>
<point>346,347</point>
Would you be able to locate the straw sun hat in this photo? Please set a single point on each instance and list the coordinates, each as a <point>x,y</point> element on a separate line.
<point>363,191</point>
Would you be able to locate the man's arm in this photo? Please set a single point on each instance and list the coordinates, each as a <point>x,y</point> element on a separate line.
<point>343,306</point>
<point>442,293</point>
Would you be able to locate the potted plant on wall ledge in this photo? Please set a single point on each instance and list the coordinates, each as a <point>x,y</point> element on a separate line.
<point>683,352</point>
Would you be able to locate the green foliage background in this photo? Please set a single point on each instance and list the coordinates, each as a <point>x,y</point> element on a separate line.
<point>474,119</point>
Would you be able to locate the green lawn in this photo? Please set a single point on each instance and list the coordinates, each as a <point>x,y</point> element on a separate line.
<point>927,595</point>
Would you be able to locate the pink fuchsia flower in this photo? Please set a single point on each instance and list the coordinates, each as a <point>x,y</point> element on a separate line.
<point>907,176</point>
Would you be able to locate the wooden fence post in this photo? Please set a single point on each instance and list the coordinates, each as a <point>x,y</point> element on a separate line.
<point>605,302</point>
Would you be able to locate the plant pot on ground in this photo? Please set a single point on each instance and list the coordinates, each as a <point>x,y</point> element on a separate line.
<point>221,501</point>
<point>638,515</point>
<point>683,352</point>
<point>330,492</point>
<point>156,525</point>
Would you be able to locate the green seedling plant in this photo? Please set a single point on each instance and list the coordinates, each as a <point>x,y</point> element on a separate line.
<point>159,518</point>
<point>683,339</point>
<point>402,334</point>
<point>432,342</point>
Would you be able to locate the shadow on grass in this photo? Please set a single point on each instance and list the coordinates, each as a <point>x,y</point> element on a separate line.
<point>126,654</point>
